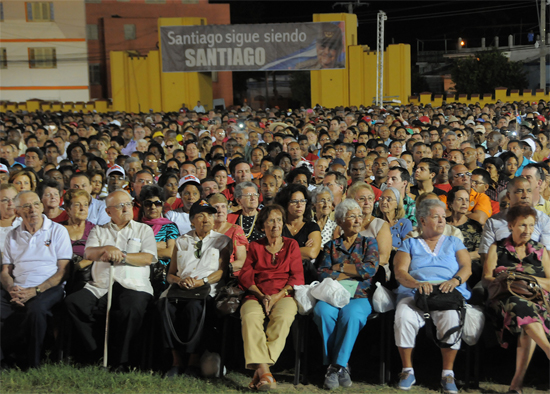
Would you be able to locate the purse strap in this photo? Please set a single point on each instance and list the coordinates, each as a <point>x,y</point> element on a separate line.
<point>173,330</point>
<point>533,283</point>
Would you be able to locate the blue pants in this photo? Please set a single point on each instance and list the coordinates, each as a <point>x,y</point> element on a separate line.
<point>340,327</point>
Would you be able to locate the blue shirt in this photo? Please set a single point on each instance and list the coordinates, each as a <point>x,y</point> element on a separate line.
<point>439,265</point>
<point>97,214</point>
<point>399,231</point>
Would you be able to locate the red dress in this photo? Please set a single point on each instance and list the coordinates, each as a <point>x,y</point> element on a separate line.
<point>270,277</point>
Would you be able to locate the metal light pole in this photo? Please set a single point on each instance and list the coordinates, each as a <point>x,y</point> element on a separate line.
<point>381,17</point>
<point>543,45</point>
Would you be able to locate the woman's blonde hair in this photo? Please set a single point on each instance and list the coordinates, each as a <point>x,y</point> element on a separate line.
<point>358,186</point>
<point>217,198</point>
<point>74,193</point>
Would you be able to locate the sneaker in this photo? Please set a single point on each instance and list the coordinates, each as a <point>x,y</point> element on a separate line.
<point>448,385</point>
<point>172,373</point>
<point>344,378</point>
<point>406,380</point>
<point>332,378</point>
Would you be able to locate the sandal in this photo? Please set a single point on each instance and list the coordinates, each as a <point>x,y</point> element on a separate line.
<point>254,382</point>
<point>266,383</point>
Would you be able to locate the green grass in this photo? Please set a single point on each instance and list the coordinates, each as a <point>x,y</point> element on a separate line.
<point>59,378</point>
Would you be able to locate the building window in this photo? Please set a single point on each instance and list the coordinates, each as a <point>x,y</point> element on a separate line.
<point>130,32</point>
<point>42,58</point>
<point>1,12</point>
<point>91,32</point>
<point>155,1</point>
<point>3,58</point>
<point>40,12</point>
<point>95,74</point>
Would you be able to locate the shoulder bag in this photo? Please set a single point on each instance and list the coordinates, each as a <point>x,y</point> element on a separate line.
<point>230,295</point>
<point>439,301</point>
<point>519,284</point>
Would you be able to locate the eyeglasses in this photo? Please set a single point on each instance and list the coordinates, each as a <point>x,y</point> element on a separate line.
<point>7,200</point>
<point>250,195</point>
<point>27,207</point>
<point>354,217</point>
<point>149,203</point>
<point>198,252</point>
<point>51,195</point>
<point>324,201</point>
<point>151,161</point>
<point>296,202</point>
<point>475,183</point>
<point>120,206</point>
<point>144,182</point>
<point>462,175</point>
<point>79,205</point>
<point>388,199</point>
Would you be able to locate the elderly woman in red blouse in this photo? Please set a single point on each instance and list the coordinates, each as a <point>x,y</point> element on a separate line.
<point>272,268</point>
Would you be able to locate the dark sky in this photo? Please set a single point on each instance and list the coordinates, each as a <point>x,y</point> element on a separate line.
<point>409,20</point>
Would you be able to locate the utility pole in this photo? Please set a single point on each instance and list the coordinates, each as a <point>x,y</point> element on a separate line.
<point>381,17</point>
<point>350,5</point>
<point>543,44</point>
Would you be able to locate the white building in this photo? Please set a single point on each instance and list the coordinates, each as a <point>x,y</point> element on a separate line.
<point>43,51</point>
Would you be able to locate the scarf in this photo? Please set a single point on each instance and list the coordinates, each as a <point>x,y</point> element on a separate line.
<point>156,224</point>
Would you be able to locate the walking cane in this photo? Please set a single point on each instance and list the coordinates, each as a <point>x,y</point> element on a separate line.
<point>109,301</point>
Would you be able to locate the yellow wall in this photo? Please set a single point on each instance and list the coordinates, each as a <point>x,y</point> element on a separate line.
<point>330,88</point>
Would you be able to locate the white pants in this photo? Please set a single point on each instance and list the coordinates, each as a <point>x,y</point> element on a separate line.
<point>409,319</point>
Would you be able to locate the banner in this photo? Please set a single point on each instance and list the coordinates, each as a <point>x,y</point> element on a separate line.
<point>283,46</point>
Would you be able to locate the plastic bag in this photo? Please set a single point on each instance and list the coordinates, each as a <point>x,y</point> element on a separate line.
<point>302,294</point>
<point>474,320</point>
<point>332,292</point>
<point>210,365</point>
<point>383,299</point>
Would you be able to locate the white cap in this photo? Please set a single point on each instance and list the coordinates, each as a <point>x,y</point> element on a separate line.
<point>116,168</point>
<point>3,168</point>
<point>187,179</point>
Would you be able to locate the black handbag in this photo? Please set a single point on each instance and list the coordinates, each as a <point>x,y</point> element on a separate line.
<point>439,301</point>
<point>230,295</point>
<point>174,295</point>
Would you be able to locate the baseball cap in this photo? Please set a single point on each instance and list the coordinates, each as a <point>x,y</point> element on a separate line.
<point>158,134</point>
<point>189,179</point>
<point>479,128</point>
<point>424,119</point>
<point>3,168</point>
<point>116,168</point>
<point>201,206</point>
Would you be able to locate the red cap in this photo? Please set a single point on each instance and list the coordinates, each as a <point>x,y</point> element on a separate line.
<point>424,119</point>
<point>541,118</point>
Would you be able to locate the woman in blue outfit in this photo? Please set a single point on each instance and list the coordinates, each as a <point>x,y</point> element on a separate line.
<point>392,211</point>
<point>352,259</point>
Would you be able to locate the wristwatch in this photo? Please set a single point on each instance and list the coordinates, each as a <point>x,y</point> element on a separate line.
<point>286,292</point>
<point>205,280</point>
<point>342,268</point>
<point>458,278</point>
<point>38,291</point>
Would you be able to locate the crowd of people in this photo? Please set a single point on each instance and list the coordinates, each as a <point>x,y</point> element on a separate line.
<point>413,197</point>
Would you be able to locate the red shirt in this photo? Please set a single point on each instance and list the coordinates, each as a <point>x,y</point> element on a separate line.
<point>259,270</point>
<point>446,187</point>
<point>62,218</point>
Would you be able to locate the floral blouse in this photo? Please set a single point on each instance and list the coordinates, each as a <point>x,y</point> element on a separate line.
<point>363,254</point>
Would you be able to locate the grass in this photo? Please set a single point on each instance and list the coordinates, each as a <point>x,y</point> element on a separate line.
<point>60,378</point>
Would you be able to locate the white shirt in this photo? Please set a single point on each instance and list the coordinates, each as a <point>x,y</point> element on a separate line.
<point>199,109</point>
<point>97,214</point>
<point>134,238</point>
<point>181,219</point>
<point>5,230</point>
<point>34,257</point>
<point>209,262</point>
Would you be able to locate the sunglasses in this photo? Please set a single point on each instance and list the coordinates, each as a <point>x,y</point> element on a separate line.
<point>169,146</point>
<point>198,252</point>
<point>149,203</point>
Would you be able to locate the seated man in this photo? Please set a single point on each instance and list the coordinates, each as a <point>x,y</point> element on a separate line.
<point>35,262</point>
<point>131,247</point>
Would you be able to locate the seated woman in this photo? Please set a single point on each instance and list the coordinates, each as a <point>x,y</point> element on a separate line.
<point>166,232</point>
<point>353,259</point>
<point>458,201</point>
<point>200,257</point>
<point>372,227</point>
<point>77,203</point>
<point>322,199</point>
<point>50,195</point>
<point>23,180</point>
<point>392,211</point>
<point>169,181</point>
<point>527,320</point>
<point>8,219</point>
<point>421,263</point>
<point>299,226</point>
<point>190,191</point>
<point>233,231</point>
<point>272,268</point>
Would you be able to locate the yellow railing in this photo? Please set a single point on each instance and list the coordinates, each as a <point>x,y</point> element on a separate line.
<point>35,105</point>
<point>501,94</point>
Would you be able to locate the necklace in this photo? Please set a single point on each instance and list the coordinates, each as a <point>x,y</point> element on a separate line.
<point>247,234</point>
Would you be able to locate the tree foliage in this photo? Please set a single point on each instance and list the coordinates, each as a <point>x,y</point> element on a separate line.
<point>485,71</point>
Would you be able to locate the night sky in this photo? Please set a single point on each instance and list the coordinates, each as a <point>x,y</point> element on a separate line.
<point>409,20</point>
